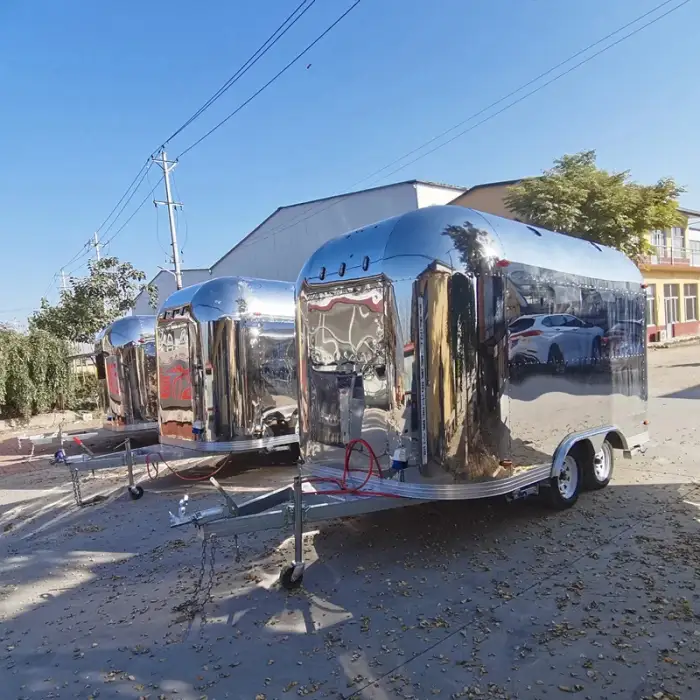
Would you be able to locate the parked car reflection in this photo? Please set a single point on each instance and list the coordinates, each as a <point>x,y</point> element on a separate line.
<point>557,340</point>
<point>624,339</point>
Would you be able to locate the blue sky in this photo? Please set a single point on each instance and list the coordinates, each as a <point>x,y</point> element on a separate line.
<point>90,89</point>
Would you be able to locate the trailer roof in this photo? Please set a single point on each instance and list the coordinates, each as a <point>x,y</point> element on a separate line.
<point>233,297</point>
<point>433,233</point>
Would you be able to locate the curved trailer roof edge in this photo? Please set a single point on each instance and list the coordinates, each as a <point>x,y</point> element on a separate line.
<point>234,297</point>
<point>128,329</point>
<point>423,232</point>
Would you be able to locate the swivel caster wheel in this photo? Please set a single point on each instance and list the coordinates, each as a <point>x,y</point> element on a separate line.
<point>286,580</point>
<point>135,492</point>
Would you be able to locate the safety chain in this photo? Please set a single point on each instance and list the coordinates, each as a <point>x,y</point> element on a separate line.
<point>201,593</point>
<point>75,481</point>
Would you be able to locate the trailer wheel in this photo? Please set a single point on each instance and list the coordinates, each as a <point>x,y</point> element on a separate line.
<point>598,474</point>
<point>135,492</point>
<point>286,580</point>
<point>566,486</point>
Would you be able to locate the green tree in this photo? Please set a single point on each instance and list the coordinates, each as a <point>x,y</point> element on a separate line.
<point>34,373</point>
<point>580,199</point>
<point>91,303</point>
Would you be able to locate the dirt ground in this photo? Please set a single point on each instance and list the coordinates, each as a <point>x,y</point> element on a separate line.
<point>455,600</point>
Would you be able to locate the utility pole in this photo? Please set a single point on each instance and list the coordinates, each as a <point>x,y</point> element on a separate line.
<point>168,167</point>
<point>64,283</point>
<point>96,245</point>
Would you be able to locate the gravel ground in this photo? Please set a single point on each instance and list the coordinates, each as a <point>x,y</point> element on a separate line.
<point>455,600</point>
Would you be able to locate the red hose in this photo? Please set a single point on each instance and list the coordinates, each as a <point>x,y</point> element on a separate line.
<point>342,483</point>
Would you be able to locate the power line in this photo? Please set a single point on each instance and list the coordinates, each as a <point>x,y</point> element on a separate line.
<point>279,74</point>
<point>133,187</point>
<point>541,87</point>
<point>133,214</point>
<point>341,198</point>
<point>515,92</point>
<point>290,21</point>
<point>146,165</point>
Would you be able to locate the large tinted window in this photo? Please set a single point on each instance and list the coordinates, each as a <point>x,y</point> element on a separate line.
<point>521,324</point>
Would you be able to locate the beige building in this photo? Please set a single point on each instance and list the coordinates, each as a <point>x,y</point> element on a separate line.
<point>671,271</point>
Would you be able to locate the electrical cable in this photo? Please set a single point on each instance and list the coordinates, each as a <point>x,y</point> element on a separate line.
<point>159,458</point>
<point>340,198</point>
<point>259,53</point>
<point>146,165</point>
<point>288,23</point>
<point>136,211</point>
<point>278,75</point>
<point>514,92</point>
<point>342,483</point>
<point>124,202</point>
<point>540,87</point>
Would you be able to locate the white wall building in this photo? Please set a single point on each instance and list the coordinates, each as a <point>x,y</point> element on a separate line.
<point>278,248</point>
<point>165,284</point>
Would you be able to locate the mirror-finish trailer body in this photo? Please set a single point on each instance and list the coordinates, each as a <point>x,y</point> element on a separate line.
<point>227,366</point>
<point>469,351</point>
<point>126,361</point>
<point>448,354</point>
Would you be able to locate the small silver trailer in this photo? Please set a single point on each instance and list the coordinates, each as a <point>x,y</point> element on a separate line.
<point>126,365</point>
<point>227,367</point>
<point>447,354</point>
<point>126,369</point>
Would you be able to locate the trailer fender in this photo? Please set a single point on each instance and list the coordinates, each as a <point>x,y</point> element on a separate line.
<point>590,440</point>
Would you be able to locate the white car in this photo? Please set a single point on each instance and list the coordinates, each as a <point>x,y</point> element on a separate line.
<point>559,340</point>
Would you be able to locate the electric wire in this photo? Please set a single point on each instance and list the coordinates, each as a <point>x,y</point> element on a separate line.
<point>290,21</point>
<point>131,190</point>
<point>136,211</point>
<point>278,75</point>
<point>540,87</point>
<point>513,92</point>
<point>340,198</point>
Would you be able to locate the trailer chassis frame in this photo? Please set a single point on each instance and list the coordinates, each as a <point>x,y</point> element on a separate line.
<point>299,504</point>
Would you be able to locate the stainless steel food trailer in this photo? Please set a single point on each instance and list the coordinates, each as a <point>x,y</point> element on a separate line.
<point>449,354</point>
<point>227,367</point>
<point>126,366</point>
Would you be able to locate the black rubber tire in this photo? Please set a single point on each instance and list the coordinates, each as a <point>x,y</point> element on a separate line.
<point>591,481</point>
<point>286,578</point>
<point>555,499</point>
<point>555,359</point>
<point>135,492</point>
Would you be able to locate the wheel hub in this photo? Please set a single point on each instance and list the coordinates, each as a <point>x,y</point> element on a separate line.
<point>568,478</point>
<point>601,464</point>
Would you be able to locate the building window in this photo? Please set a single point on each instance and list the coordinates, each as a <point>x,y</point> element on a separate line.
<point>651,305</point>
<point>690,293</point>
<point>658,239</point>
<point>677,238</point>
<point>672,303</point>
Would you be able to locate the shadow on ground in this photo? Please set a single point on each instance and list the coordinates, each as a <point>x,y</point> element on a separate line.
<point>428,600</point>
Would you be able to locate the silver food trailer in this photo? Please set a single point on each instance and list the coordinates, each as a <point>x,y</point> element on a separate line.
<point>227,367</point>
<point>447,354</point>
<point>126,363</point>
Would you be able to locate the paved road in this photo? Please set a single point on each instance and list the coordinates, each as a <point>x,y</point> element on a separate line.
<point>457,600</point>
